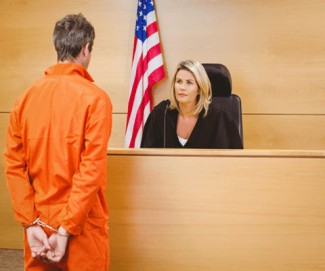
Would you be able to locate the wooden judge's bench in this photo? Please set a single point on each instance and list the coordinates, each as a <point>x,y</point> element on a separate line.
<point>228,210</point>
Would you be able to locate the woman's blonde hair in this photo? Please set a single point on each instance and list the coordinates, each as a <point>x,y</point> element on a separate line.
<point>203,82</point>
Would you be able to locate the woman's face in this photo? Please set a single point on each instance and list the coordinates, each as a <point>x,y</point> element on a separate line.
<point>186,88</point>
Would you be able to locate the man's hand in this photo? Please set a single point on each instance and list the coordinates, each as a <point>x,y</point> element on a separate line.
<point>37,241</point>
<point>58,244</point>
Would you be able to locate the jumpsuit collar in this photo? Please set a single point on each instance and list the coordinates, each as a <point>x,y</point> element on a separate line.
<point>68,69</point>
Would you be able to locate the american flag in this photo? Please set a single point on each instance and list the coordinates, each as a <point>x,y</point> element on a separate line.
<point>147,70</point>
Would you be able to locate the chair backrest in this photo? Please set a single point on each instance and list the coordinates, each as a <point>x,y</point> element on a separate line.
<point>221,85</point>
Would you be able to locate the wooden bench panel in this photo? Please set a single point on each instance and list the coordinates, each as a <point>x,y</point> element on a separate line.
<point>170,211</point>
<point>208,209</point>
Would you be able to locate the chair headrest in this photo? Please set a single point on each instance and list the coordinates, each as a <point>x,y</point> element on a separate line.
<point>220,79</point>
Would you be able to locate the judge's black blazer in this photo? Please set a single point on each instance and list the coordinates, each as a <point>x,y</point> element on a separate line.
<point>214,131</point>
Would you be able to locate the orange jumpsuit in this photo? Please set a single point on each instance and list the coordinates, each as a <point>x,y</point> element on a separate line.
<point>55,161</point>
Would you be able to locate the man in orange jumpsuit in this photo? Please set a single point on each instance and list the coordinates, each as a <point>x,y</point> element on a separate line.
<point>55,159</point>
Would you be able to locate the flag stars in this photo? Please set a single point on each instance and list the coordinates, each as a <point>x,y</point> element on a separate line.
<point>145,7</point>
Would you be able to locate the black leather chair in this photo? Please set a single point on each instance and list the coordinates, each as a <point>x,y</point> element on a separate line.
<point>220,79</point>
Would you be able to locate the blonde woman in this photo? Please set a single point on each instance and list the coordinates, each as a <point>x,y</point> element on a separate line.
<point>190,118</point>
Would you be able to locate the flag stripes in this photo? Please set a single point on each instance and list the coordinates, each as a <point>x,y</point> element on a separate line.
<point>147,69</point>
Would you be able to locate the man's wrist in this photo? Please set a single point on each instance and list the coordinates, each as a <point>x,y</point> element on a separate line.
<point>35,222</point>
<point>63,232</point>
